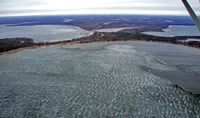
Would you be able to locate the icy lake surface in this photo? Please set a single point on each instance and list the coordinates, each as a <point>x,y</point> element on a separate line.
<point>114,81</point>
<point>176,30</point>
<point>43,33</point>
<point>113,29</point>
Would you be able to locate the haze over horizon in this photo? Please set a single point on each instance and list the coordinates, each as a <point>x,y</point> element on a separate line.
<point>61,7</point>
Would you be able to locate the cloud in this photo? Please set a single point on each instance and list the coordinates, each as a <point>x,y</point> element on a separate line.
<point>11,7</point>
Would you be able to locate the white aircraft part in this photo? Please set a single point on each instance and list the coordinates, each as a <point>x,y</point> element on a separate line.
<point>192,14</point>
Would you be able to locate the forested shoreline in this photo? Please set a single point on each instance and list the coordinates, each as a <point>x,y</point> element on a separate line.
<point>9,44</point>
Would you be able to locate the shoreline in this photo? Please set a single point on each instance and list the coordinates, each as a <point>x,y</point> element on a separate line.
<point>80,42</point>
<point>96,36</point>
<point>26,48</point>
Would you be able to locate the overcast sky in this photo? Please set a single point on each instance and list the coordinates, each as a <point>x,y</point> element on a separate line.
<point>52,7</point>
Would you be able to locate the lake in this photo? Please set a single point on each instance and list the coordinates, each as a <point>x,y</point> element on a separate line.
<point>112,81</point>
<point>190,39</point>
<point>43,33</point>
<point>176,30</point>
<point>113,29</point>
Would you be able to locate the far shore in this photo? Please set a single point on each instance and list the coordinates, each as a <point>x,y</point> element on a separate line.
<point>133,34</point>
<point>51,44</point>
<point>75,42</point>
<point>25,48</point>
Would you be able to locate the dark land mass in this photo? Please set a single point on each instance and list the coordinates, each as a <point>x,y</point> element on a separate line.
<point>15,43</point>
<point>90,22</point>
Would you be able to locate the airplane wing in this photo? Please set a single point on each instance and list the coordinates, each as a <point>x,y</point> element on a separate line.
<point>192,14</point>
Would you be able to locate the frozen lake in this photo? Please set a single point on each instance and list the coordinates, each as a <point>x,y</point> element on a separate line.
<point>43,33</point>
<point>176,30</point>
<point>112,81</point>
<point>113,29</point>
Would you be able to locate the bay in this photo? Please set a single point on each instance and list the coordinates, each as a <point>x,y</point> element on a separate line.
<point>176,30</point>
<point>43,33</point>
<point>113,29</point>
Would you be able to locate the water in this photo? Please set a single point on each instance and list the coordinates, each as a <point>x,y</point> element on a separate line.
<point>113,29</point>
<point>189,40</point>
<point>114,81</point>
<point>43,33</point>
<point>176,30</point>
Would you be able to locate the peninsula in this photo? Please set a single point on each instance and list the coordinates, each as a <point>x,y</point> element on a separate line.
<point>138,24</point>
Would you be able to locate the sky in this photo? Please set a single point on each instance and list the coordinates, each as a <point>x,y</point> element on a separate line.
<point>62,7</point>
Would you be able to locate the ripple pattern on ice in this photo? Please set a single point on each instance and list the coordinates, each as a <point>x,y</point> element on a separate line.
<point>110,82</point>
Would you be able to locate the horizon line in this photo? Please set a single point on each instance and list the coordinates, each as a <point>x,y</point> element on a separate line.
<point>94,14</point>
